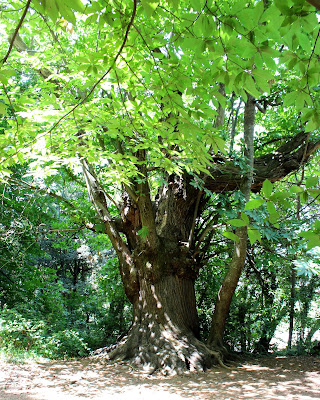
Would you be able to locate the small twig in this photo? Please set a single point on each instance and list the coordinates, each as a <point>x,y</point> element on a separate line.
<point>16,31</point>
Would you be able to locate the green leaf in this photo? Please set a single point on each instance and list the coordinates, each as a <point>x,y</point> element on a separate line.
<point>149,6</point>
<point>296,189</point>
<point>245,218</point>
<point>290,98</point>
<point>67,13</point>
<point>280,196</point>
<point>317,226</point>
<point>52,10</point>
<point>312,181</point>
<point>312,124</point>
<point>307,234</point>
<point>304,41</point>
<point>262,78</point>
<point>314,242</point>
<point>250,86</point>
<point>143,232</point>
<point>267,188</point>
<point>196,4</point>
<point>315,193</point>
<point>254,235</point>
<point>236,222</point>
<point>100,228</point>
<point>232,236</point>
<point>3,108</point>
<point>251,204</point>
<point>174,3</point>
<point>304,197</point>
<point>271,208</point>
<point>257,12</point>
<point>273,218</point>
<point>76,5</point>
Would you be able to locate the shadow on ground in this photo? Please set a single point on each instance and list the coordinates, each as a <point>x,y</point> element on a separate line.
<point>289,378</point>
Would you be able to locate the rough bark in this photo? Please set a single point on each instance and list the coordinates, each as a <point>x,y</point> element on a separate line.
<point>165,331</point>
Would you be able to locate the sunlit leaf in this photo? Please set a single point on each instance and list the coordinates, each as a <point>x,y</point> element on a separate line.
<point>254,235</point>
<point>232,236</point>
<point>236,222</point>
<point>252,204</point>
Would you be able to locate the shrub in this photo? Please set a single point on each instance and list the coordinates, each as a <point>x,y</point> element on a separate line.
<point>19,335</point>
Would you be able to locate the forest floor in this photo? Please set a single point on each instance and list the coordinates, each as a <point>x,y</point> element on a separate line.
<point>263,378</point>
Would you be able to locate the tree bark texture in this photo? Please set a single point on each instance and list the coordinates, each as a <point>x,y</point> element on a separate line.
<point>158,272</point>
<point>165,331</point>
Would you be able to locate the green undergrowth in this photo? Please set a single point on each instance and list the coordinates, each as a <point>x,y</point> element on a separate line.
<point>30,338</point>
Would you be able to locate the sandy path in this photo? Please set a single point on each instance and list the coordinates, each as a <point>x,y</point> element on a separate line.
<point>287,378</point>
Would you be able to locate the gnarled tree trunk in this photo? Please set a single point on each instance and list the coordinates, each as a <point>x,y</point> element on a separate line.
<point>165,330</point>
<point>158,271</point>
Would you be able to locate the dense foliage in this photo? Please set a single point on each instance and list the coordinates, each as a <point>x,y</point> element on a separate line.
<point>108,106</point>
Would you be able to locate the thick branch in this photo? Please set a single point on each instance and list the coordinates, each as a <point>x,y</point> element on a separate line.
<point>99,200</point>
<point>274,166</point>
<point>315,3</point>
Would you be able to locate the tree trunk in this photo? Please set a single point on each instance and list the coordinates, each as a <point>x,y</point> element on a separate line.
<point>158,271</point>
<point>292,303</point>
<point>229,284</point>
<point>165,331</point>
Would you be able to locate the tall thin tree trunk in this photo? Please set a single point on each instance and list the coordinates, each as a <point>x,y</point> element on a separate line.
<point>233,127</point>
<point>292,302</point>
<point>232,276</point>
<point>293,280</point>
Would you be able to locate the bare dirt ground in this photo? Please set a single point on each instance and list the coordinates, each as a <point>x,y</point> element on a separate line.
<point>265,378</point>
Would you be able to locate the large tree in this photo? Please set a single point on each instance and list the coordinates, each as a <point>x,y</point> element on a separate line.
<point>134,97</point>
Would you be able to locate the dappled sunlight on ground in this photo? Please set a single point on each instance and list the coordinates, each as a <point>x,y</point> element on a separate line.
<point>287,378</point>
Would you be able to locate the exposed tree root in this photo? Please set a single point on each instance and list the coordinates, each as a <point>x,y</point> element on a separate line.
<point>164,350</point>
